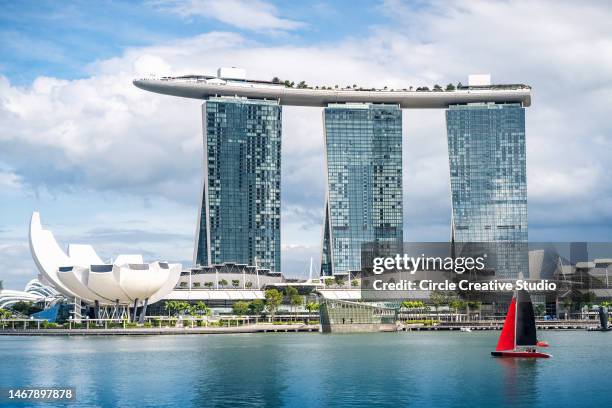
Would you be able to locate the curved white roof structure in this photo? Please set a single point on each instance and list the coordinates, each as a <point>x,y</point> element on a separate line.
<point>82,274</point>
<point>34,292</point>
<point>203,87</point>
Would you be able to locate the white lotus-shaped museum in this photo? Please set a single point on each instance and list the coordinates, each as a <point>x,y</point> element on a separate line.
<point>83,275</point>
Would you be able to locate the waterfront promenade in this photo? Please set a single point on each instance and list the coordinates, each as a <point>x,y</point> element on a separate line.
<point>92,330</point>
<point>144,331</point>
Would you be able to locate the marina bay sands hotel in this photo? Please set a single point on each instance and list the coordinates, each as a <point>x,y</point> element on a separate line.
<point>239,218</point>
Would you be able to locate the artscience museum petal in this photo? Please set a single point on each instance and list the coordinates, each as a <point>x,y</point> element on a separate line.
<point>81,274</point>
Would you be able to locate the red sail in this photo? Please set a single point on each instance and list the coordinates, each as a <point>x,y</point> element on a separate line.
<point>506,339</point>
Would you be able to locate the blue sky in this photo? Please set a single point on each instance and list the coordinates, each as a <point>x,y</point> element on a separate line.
<point>111,165</point>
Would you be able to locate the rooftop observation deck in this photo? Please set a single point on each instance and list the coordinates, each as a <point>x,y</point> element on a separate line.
<point>202,87</point>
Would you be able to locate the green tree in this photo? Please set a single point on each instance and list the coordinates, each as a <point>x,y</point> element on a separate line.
<point>539,309</point>
<point>290,292</point>
<point>296,301</point>
<point>312,307</point>
<point>354,283</point>
<point>329,281</point>
<point>209,284</point>
<point>339,281</point>
<point>201,309</point>
<point>248,285</point>
<point>235,283</point>
<point>1,285</point>
<point>302,85</point>
<point>473,305</point>
<point>457,304</point>
<point>276,80</point>
<point>223,283</point>
<point>437,299</point>
<point>240,307</point>
<point>257,306</point>
<point>170,307</point>
<point>450,87</point>
<point>5,314</point>
<point>587,299</point>
<point>437,87</point>
<point>273,301</point>
<point>25,308</point>
<point>413,304</point>
<point>175,307</point>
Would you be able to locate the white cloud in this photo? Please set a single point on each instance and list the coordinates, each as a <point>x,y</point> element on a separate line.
<point>253,15</point>
<point>9,181</point>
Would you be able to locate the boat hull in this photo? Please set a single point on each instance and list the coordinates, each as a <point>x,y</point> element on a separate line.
<point>520,354</point>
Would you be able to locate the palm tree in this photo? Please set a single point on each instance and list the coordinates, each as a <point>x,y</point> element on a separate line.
<point>223,283</point>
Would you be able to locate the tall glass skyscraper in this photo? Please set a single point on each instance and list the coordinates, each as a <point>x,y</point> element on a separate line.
<point>239,218</point>
<point>364,182</point>
<point>486,146</point>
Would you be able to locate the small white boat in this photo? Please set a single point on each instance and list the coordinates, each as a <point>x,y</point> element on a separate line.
<point>466,329</point>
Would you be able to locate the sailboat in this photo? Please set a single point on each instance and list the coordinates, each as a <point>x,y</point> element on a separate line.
<point>518,337</point>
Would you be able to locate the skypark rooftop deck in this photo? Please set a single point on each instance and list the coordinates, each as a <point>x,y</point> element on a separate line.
<point>203,87</point>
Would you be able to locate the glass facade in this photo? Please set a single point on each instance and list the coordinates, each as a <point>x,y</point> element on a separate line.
<point>364,182</point>
<point>486,146</point>
<point>240,207</point>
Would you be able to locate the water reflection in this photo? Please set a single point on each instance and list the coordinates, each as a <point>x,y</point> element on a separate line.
<point>520,377</point>
<point>309,370</point>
